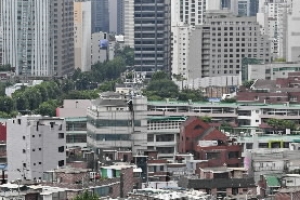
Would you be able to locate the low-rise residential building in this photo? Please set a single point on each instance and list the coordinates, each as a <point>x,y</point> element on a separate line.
<point>270,71</point>
<point>220,182</point>
<point>35,144</point>
<point>208,143</point>
<point>163,134</point>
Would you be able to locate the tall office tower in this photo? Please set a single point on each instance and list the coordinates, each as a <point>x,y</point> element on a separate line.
<point>247,7</point>
<point>100,15</point>
<point>38,36</point>
<point>218,47</point>
<point>185,14</point>
<point>272,17</point>
<point>152,35</point>
<point>82,32</point>
<point>129,22</point>
<point>35,144</point>
<point>116,16</point>
<point>293,32</point>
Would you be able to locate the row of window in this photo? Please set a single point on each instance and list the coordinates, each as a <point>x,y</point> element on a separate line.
<point>112,122</point>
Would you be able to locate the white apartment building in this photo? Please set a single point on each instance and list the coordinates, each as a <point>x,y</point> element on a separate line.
<point>293,32</point>
<point>82,34</point>
<point>271,71</point>
<point>272,17</point>
<point>38,36</point>
<point>225,40</point>
<point>112,125</point>
<point>129,22</point>
<point>35,144</point>
<point>185,14</point>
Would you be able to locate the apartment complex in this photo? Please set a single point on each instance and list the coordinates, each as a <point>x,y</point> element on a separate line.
<point>38,36</point>
<point>272,17</point>
<point>129,22</point>
<point>185,15</point>
<point>82,34</point>
<point>152,31</point>
<point>293,32</point>
<point>225,40</point>
<point>35,144</point>
<point>115,123</point>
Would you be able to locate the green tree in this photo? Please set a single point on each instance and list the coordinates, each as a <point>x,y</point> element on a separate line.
<point>6,104</point>
<point>159,75</point>
<point>248,84</point>
<point>194,95</point>
<point>86,196</point>
<point>163,88</point>
<point>206,119</point>
<point>179,77</point>
<point>107,86</point>
<point>21,102</point>
<point>48,108</point>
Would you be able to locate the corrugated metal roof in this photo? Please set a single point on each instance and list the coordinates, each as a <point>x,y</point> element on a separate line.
<point>272,181</point>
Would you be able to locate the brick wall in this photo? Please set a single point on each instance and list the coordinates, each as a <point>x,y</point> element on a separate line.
<point>78,164</point>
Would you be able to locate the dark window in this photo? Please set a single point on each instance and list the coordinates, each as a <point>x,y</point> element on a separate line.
<point>233,154</point>
<point>24,151</point>
<point>263,145</point>
<point>61,135</point>
<point>249,145</point>
<point>24,164</point>
<point>61,163</point>
<point>61,149</point>
<point>212,155</point>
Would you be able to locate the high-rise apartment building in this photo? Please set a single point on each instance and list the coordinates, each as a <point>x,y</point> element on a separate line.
<point>272,17</point>
<point>82,34</point>
<point>218,46</point>
<point>35,144</point>
<point>185,14</point>
<point>129,22</point>
<point>100,15</point>
<point>38,36</point>
<point>116,16</point>
<point>152,35</point>
<point>293,32</point>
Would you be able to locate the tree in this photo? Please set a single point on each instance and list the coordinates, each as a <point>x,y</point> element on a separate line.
<point>279,124</point>
<point>194,95</point>
<point>48,108</point>
<point>248,84</point>
<point>21,102</point>
<point>107,86</point>
<point>206,119</point>
<point>179,77</point>
<point>163,88</point>
<point>86,196</point>
<point>229,100</point>
<point>6,104</point>
<point>159,75</point>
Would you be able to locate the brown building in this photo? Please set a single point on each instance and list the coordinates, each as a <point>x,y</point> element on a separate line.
<point>281,90</point>
<point>78,180</point>
<point>208,143</point>
<point>221,182</point>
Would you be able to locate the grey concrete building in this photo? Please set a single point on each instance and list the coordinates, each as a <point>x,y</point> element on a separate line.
<point>113,126</point>
<point>100,15</point>
<point>152,33</point>
<point>218,46</point>
<point>35,144</point>
<point>38,36</point>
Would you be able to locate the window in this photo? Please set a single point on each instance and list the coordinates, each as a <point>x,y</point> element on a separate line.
<point>24,151</point>
<point>40,149</point>
<point>233,154</point>
<point>24,164</point>
<point>40,163</point>
<point>212,155</point>
<point>61,135</point>
<point>61,163</point>
<point>23,137</point>
<point>33,136</point>
<point>61,149</point>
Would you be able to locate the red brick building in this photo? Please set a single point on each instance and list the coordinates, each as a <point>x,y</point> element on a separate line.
<point>208,143</point>
<point>3,158</point>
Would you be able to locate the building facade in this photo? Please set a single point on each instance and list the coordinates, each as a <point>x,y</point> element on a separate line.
<point>129,22</point>
<point>82,34</point>
<point>113,124</point>
<point>38,37</point>
<point>35,144</point>
<point>225,40</point>
<point>293,32</point>
<point>152,31</point>
<point>100,15</point>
